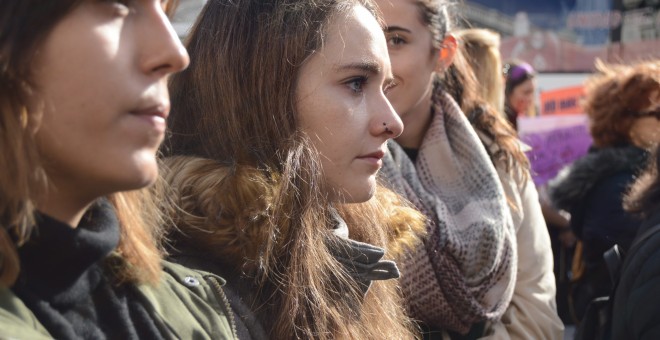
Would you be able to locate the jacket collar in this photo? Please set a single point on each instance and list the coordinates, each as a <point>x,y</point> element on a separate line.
<point>57,256</point>
<point>363,261</point>
<point>574,182</point>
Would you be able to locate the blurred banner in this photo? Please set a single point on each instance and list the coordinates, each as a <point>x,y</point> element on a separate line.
<point>562,101</point>
<point>555,141</point>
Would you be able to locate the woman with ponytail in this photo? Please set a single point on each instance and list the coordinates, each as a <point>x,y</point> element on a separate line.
<point>485,268</point>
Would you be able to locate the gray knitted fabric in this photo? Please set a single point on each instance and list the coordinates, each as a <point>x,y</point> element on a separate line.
<point>465,271</point>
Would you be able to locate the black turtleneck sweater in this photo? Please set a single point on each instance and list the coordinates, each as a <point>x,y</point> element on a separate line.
<point>64,280</point>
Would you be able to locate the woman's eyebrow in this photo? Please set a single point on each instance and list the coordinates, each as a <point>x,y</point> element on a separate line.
<point>390,29</point>
<point>365,66</point>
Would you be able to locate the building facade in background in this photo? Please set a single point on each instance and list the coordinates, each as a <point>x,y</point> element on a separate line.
<point>568,35</point>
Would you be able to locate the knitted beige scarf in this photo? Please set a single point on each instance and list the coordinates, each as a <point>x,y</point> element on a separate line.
<point>465,271</point>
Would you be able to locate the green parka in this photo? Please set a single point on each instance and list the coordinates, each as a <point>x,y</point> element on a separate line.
<point>186,304</point>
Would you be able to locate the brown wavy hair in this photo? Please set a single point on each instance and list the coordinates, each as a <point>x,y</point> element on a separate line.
<point>247,185</point>
<point>615,94</point>
<point>24,25</point>
<point>643,197</point>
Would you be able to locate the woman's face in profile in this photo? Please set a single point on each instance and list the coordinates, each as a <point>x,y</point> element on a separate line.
<point>342,106</point>
<point>413,58</point>
<point>521,98</point>
<point>101,76</point>
<point>645,130</point>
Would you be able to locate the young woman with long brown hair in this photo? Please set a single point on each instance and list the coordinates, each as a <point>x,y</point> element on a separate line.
<point>83,102</point>
<point>460,162</point>
<point>532,312</point>
<point>278,130</point>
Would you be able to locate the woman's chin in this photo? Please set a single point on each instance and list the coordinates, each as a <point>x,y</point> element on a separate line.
<point>361,195</point>
<point>144,174</point>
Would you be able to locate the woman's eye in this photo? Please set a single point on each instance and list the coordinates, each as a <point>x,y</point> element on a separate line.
<point>356,84</point>
<point>395,40</point>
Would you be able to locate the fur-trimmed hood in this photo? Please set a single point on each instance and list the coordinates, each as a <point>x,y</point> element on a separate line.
<point>229,216</point>
<point>289,264</point>
<point>574,182</point>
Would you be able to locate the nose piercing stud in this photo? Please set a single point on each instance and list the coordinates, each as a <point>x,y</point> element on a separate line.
<point>387,130</point>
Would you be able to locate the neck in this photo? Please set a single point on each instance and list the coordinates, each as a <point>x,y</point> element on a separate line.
<point>416,122</point>
<point>64,206</point>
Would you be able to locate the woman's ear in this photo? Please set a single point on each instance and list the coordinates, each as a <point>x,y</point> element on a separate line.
<point>447,52</point>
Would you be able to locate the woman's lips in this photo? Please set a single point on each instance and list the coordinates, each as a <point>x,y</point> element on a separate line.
<point>374,158</point>
<point>155,116</point>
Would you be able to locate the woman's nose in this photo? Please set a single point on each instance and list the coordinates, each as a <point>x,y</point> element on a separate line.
<point>387,122</point>
<point>162,50</point>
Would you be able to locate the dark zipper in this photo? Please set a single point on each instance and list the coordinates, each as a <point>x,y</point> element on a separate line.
<point>223,297</point>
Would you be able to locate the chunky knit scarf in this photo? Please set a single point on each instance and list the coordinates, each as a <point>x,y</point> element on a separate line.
<point>465,271</point>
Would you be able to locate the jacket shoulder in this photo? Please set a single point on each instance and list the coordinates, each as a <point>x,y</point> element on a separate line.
<point>636,310</point>
<point>190,304</point>
<point>16,320</point>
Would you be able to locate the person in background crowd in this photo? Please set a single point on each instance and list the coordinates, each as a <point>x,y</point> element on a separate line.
<point>481,48</point>
<point>532,312</point>
<point>635,309</point>
<point>279,128</point>
<point>440,164</point>
<point>83,103</point>
<point>619,102</point>
<point>519,90</point>
<point>452,291</point>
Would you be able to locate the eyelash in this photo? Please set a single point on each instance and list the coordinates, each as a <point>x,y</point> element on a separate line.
<point>361,81</point>
<point>388,87</point>
<point>395,40</point>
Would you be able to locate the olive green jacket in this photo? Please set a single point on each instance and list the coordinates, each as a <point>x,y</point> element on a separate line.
<point>187,304</point>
